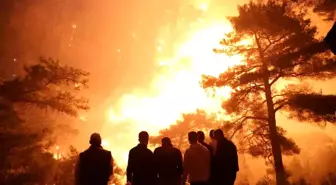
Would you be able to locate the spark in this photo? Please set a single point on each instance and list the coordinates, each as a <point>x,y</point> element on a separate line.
<point>118,50</point>
<point>133,35</point>
<point>72,34</point>
<point>77,85</point>
<point>82,118</point>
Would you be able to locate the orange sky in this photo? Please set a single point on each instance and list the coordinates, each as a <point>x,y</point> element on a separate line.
<point>145,60</point>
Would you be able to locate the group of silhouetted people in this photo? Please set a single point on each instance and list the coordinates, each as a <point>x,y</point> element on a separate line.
<point>215,163</point>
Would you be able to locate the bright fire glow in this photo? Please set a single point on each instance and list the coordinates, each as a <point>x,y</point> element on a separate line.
<point>178,90</point>
<point>57,154</point>
<point>175,89</point>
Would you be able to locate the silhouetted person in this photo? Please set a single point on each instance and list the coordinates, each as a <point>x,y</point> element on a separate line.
<point>330,39</point>
<point>168,161</point>
<point>225,160</point>
<point>141,168</point>
<point>201,139</point>
<point>213,142</point>
<point>95,165</point>
<point>196,163</point>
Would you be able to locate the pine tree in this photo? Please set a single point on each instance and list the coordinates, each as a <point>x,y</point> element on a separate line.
<point>276,33</point>
<point>45,86</point>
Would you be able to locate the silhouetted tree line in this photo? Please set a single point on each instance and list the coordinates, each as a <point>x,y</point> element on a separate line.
<point>283,46</point>
<point>24,149</point>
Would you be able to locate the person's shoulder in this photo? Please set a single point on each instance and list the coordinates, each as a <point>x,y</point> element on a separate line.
<point>233,146</point>
<point>207,146</point>
<point>134,149</point>
<point>231,143</point>
<point>105,151</point>
<point>158,149</point>
<point>176,150</point>
<point>80,155</point>
<point>187,150</point>
<point>148,150</point>
<point>202,146</point>
<point>84,152</point>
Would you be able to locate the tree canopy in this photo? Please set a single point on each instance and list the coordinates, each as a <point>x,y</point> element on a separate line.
<point>274,33</point>
<point>324,8</point>
<point>46,85</point>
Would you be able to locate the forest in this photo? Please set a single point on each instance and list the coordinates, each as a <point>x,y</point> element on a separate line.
<point>283,54</point>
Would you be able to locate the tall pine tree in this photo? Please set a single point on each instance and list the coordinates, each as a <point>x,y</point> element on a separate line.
<point>277,33</point>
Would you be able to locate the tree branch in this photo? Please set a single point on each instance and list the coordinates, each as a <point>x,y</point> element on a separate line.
<point>241,121</point>
<point>280,106</point>
<point>276,79</point>
<point>273,42</point>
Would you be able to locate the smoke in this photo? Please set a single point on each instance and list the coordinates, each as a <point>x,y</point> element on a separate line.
<point>146,60</point>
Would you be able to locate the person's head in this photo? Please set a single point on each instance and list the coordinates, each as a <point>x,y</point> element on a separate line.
<point>212,134</point>
<point>143,138</point>
<point>201,136</point>
<point>219,134</point>
<point>95,139</point>
<point>166,142</point>
<point>192,137</point>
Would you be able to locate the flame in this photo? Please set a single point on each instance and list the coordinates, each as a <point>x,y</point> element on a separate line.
<point>57,154</point>
<point>178,90</point>
<point>175,89</point>
<point>105,143</point>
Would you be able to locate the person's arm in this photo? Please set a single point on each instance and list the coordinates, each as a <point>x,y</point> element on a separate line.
<point>186,167</point>
<point>77,171</point>
<point>111,165</point>
<point>129,169</point>
<point>156,160</point>
<point>236,157</point>
<point>179,162</point>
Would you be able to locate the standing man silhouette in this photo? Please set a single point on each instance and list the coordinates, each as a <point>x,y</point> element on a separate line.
<point>95,165</point>
<point>201,140</point>
<point>168,161</point>
<point>141,168</point>
<point>196,165</point>
<point>225,160</point>
<point>330,39</point>
<point>213,142</point>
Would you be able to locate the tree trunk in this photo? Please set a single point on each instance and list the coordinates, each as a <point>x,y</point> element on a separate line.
<point>276,148</point>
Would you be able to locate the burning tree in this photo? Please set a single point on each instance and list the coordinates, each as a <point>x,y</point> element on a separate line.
<point>46,86</point>
<point>276,32</point>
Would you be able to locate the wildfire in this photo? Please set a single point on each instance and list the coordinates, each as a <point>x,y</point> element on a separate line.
<point>176,89</point>
<point>57,154</point>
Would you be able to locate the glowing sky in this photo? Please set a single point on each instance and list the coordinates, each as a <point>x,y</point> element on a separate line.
<point>145,58</point>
